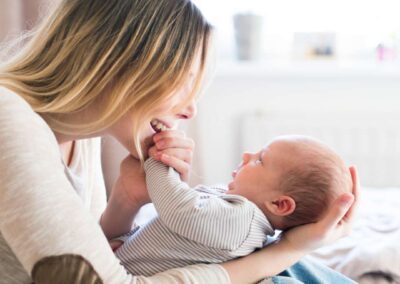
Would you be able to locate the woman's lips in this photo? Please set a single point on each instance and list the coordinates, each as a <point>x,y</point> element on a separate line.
<point>159,125</point>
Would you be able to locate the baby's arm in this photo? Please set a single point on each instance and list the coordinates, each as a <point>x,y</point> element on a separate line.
<point>213,221</point>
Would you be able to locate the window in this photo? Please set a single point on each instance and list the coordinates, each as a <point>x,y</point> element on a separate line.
<point>359,26</point>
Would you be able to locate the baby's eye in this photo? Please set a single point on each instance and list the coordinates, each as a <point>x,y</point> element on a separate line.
<point>258,161</point>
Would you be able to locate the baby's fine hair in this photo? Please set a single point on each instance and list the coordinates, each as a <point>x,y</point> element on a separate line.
<point>317,176</point>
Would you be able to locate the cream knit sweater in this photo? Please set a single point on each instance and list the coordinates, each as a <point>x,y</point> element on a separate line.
<point>47,210</point>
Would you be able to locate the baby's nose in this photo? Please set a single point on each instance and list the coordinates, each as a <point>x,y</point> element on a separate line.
<point>246,158</point>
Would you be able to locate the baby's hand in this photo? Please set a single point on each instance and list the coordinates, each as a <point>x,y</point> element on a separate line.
<point>174,149</point>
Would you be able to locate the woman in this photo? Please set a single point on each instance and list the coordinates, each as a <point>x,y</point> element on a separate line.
<point>123,68</point>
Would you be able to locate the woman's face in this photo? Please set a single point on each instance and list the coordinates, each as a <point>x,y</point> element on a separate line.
<point>167,116</point>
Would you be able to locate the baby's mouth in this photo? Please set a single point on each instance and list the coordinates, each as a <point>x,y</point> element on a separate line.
<point>158,126</point>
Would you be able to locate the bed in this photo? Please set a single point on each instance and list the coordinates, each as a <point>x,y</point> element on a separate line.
<point>371,254</point>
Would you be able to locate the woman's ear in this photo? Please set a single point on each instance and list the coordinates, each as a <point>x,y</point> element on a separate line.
<point>281,206</point>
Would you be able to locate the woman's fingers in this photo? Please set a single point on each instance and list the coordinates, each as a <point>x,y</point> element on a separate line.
<point>174,142</point>
<point>180,166</point>
<point>172,139</point>
<point>167,134</point>
<point>181,154</point>
<point>354,177</point>
<point>356,193</point>
<point>178,159</point>
<point>338,210</point>
<point>174,149</point>
<point>342,211</point>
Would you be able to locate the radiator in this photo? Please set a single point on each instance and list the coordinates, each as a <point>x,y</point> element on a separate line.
<point>369,140</point>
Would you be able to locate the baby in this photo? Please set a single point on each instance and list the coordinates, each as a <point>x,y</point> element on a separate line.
<point>290,182</point>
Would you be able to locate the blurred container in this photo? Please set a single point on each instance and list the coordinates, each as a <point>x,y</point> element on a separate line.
<point>311,45</point>
<point>248,32</point>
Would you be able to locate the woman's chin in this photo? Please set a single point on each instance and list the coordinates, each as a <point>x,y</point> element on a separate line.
<point>147,143</point>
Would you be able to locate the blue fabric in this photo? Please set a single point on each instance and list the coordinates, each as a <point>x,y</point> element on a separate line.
<point>310,272</point>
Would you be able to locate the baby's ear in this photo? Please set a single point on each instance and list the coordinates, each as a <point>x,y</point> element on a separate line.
<point>281,206</point>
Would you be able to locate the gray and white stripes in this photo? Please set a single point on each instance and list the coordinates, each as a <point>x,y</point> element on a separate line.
<point>200,225</point>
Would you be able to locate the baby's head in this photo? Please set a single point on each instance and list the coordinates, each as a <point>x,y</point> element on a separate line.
<point>293,180</point>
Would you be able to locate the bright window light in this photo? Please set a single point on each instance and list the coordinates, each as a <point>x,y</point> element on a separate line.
<point>359,25</point>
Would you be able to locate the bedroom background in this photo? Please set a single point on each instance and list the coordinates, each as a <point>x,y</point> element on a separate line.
<point>329,69</point>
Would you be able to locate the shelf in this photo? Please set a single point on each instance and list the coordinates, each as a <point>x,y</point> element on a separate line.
<point>308,69</point>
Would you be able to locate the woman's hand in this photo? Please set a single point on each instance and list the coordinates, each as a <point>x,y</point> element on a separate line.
<point>127,196</point>
<point>131,183</point>
<point>174,149</point>
<point>336,224</point>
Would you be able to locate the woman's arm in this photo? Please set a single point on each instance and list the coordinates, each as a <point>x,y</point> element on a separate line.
<point>297,242</point>
<point>128,195</point>
<point>267,262</point>
<point>40,213</point>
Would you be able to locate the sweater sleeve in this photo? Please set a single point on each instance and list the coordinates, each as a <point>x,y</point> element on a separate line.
<point>41,215</point>
<point>219,222</point>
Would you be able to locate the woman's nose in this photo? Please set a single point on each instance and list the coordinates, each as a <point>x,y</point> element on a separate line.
<point>189,111</point>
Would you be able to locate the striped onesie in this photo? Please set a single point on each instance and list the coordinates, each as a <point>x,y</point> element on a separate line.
<point>194,225</point>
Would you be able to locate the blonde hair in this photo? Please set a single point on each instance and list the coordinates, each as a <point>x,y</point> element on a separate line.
<point>142,49</point>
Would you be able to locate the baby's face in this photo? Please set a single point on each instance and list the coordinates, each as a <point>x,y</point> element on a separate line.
<point>257,177</point>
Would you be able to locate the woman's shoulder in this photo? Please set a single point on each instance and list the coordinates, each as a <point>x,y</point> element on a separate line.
<point>10,100</point>
<point>19,122</point>
<point>14,109</point>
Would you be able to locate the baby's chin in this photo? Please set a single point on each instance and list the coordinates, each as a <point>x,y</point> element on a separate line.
<point>230,187</point>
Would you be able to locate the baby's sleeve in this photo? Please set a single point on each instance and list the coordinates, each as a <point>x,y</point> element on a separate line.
<point>215,222</point>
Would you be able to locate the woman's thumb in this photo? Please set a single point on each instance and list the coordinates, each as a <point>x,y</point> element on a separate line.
<point>339,209</point>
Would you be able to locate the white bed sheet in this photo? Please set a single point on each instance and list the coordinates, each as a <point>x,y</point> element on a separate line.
<point>371,254</point>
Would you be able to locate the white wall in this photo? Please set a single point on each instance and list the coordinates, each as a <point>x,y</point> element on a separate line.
<point>238,89</point>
